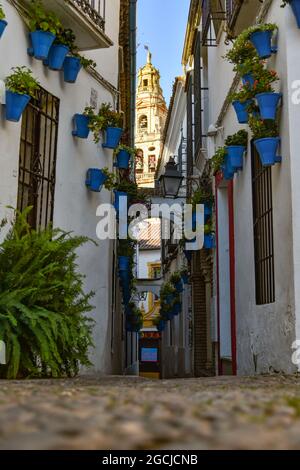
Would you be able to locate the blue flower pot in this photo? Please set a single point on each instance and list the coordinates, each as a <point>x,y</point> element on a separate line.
<point>81,125</point>
<point>119,194</point>
<point>179,287</point>
<point>123,159</point>
<point>95,179</point>
<point>177,309</point>
<point>267,149</point>
<point>72,67</point>
<point>15,105</point>
<point>185,279</point>
<point>228,170</point>
<point>161,326</point>
<point>268,103</point>
<point>248,79</point>
<point>112,137</point>
<point>56,57</point>
<point>124,262</point>
<point>208,210</point>
<point>209,241</point>
<point>3,25</point>
<point>41,44</point>
<point>235,156</point>
<point>295,4</point>
<point>262,41</point>
<point>241,110</point>
<point>188,255</point>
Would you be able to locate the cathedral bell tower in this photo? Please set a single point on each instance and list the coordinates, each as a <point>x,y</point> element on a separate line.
<point>150,122</point>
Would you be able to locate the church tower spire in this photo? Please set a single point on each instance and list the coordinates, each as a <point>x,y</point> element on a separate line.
<point>151,117</point>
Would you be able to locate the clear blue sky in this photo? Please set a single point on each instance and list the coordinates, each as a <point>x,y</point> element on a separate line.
<point>161,26</point>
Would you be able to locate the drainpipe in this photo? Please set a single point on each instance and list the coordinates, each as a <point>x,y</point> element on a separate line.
<point>132,46</point>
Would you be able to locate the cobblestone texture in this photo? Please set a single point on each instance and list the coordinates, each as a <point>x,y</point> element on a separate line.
<point>132,413</point>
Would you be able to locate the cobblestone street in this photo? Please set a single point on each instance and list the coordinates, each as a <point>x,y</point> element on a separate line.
<point>130,414</point>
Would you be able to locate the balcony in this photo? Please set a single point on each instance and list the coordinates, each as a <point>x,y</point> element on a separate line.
<point>241,14</point>
<point>213,14</point>
<point>85,17</point>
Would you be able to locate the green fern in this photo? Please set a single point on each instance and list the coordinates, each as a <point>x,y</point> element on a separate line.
<point>42,303</point>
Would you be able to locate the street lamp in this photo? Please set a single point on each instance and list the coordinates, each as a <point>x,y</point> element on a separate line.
<point>171,180</point>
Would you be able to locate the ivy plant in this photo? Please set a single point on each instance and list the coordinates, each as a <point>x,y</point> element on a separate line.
<point>42,20</point>
<point>2,14</point>
<point>22,81</point>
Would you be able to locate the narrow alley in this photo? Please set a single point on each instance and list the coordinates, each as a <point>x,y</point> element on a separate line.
<point>129,413</point>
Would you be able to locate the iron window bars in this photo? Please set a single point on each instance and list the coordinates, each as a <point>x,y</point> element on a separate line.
<point>37,161</point>
<point>213,13</point>
<point>263,231</point>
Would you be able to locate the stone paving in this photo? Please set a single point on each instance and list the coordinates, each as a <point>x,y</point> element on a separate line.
<point>126,413</point>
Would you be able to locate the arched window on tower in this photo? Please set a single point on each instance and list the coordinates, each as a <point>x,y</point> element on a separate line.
<point>143,122</point>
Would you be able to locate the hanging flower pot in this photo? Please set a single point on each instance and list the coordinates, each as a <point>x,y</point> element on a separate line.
<point>41,44</point>
<point>248,79</point>
<point>3,25</point>
<point>185,278</point>
<point>235,156</point>
<point>112,137</point>
<point>95,179</point>
<point>56,57</point>
<point>179,287</point>
<point>81,125</point>
<point>118,195</point>
<point>228,170</point>
<point>188,255</point>
<point>72,67</point>
<point>241,110</point>
<point>177,309</point>
<point>15,105</point>
<point>123,159</point>
<point>209,241</point>
<point>295,4</point>
<point>262,41</point>
<point>268,103</point>
<point>267,149</point>
<point>161,326</point>
<point>124,263</point>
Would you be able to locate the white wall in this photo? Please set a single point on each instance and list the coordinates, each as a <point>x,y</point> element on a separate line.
<point>265,333</point>
<point>75,207</point>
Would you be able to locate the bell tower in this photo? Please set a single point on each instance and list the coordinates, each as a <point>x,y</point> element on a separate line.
<point>150,122</point>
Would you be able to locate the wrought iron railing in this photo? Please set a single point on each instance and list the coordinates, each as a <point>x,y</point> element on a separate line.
<point>232,10</point>
<point>213,14</point>
<point>94,10</point>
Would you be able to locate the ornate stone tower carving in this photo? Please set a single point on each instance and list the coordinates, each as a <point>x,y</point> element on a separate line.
<point>151,117</point>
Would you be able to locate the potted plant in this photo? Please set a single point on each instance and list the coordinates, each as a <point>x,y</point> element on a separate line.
<point>218,160</point>
<point>44,27</point>
<point>81,123</point>
<point>295,5</point>
<point>177,282</point>
<point>227,169</point>
<point>209,236</point>
<point>73,64</point>
<point>95,179</point>
<point>167,293</point>
<point>266,139</point>
<point>241,101</point>
<point>110,122</point>
<point>241,52</point>
<point>261,38</point>
<point>236,146</point>
<point>63,43</point>
<point>3,22</point>
<point>185,275</point>
<point>110,180</point>
<point>123,156</point>
<point>21,86</point>
<point>126,252</point>
<point>124,189</point>
<point>265,95</point>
